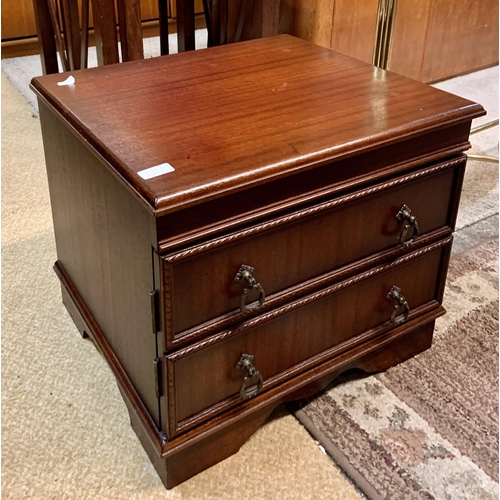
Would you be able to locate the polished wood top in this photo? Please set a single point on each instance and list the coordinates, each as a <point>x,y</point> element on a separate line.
<point>234,116</point>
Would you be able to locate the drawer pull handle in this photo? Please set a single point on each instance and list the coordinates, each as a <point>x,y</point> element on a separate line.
<point>395,295</point>
<point>245,364</point>
<point>245,275</point>
<point>410,229</point>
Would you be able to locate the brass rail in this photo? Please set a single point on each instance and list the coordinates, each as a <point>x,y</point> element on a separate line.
<point>386,17</point>
<point>491,159</point>
<point>480,128</point>
<point>485,126</point>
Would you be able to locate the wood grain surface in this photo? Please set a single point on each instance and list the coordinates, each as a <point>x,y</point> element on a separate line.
<point>140,114</point>
<point>354,26</point>
<point>461,35</point>
<point>130,29</point>
<point>410,38</point>
<point>95,220</point>
<point>18,19</point>
<point>330,320</point>
<point>311,21</point>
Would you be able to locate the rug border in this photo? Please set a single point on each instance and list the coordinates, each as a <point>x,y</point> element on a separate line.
<point>339,458</point>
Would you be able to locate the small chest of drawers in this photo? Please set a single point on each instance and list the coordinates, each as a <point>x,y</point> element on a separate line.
<point>237,226</point>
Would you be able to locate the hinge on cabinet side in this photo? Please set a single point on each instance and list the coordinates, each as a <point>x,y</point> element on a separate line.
<point>154,311</point>
<point>158,377</point>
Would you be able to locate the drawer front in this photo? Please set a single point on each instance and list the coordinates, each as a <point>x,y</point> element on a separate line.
<point>203,379</point>
<point>200,281</point>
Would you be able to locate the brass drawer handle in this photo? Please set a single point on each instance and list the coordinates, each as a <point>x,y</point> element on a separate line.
<point>245,364</point>
<point>245,275</point>
<point>395,295</point>
<point>410,229</point>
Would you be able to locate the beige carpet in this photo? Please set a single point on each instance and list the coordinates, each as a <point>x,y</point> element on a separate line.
<point>427,428</point>
<point>65,428</point>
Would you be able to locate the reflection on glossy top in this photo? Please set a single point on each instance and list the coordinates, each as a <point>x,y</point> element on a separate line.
<point>231,116</point>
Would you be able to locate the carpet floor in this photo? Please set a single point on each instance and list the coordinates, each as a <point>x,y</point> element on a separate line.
<point>427,428</point>
<point>65,428</point>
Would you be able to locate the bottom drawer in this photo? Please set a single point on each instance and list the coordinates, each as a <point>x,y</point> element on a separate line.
<point>208,377</point>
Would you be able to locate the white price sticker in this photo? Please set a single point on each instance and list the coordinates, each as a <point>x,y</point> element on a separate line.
<point>156,171</point>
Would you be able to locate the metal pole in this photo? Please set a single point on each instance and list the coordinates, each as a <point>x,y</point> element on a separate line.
<point>480,128</point>
<point>386,17</point>
<point>485,126</point>
<point>491,159</point>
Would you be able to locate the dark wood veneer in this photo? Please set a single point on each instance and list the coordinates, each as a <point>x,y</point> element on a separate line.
<point>105,250</point>
<point>244,207</point>
<point>288,157</point>
<point>333,316</point>
<point>306,287</point>
<point>245,132</point>
<point>285,250</point>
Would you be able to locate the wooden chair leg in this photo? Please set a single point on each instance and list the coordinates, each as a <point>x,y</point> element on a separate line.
<point>130,26</point>
<point>106,39</point>
<point>72,38</point>
<point>185,24</point>
<point>242,18</point>
<point>84,45</point>
<point>222,22</point>
<point>46,37</point>
<point>163,19</point>
<point>54,16</point>
<point>207,9</point>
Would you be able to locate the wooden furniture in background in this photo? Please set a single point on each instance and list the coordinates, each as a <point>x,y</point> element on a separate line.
<point>276,229</point>
<point>410,39</point>
<point>460,36</point>
<point>18,17</point>
<point>353,29</point>
<point>19,33</point>
<point>433,39</point>
<point>228,21</point>
<point>63,29</point>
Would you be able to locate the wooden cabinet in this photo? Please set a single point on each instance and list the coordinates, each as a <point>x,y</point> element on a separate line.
<point>353,31</point>
<point>18,17</point>
<point>432,40</point>
<point>19,34</point>
<point>311,21</point>
<point>237,226</point>
<point>347,26</point>
<point>409,38</point>
<point>461,36</point>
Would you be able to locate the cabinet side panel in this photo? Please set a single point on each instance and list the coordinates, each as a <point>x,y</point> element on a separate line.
<point>103,240</point>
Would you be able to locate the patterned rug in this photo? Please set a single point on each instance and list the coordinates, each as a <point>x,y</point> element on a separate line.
<point>428,428</point>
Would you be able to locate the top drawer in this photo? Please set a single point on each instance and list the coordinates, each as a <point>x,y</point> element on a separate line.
<point>199,282</point>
